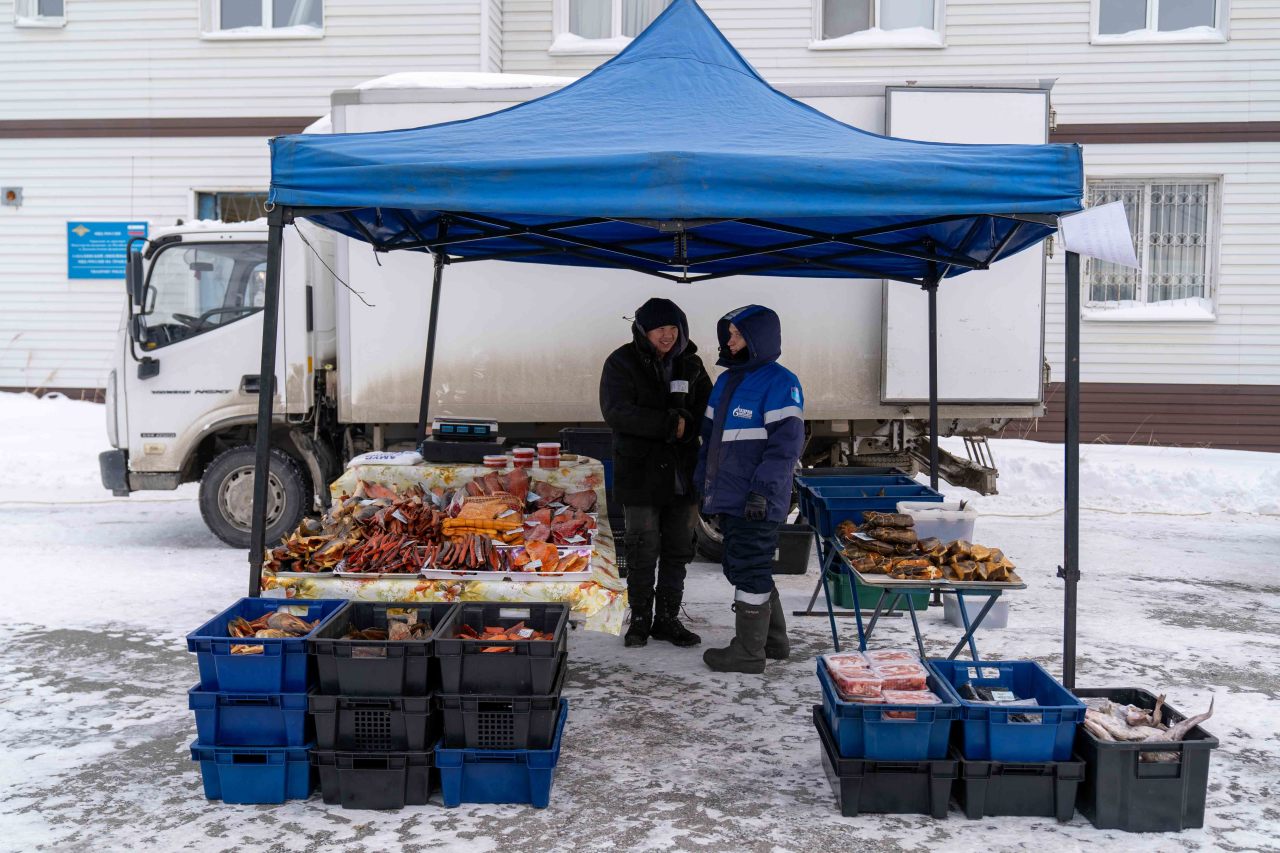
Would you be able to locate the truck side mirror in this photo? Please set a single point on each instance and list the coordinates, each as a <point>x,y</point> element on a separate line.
<point>134,279</point>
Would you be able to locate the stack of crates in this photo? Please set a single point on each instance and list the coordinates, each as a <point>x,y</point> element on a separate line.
<point>1014,761</point>
<point>829,496</point>
<point>253,734</point>
<point>501,706</point>
<point>887,759</point>
<point>373,710</point>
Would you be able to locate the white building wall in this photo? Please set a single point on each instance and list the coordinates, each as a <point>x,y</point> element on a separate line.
<point>992,39</point>
<point>124,58</point>
<point>56,332</point>
<point>1242,345</point>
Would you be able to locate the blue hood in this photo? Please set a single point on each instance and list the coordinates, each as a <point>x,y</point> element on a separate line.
<point>762,331</point>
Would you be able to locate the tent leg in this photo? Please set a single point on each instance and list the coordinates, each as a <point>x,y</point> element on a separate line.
<point>932,288</point>
<point>1070,569</point>
<point>428,364</point>
<point>276,221</point>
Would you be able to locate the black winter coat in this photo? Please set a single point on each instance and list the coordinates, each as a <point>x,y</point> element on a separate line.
<point>643,412</point>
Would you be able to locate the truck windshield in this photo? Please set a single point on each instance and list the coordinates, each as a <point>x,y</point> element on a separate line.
<point>195,288</point>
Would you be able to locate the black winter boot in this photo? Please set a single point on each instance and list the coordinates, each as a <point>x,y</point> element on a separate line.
<point>641,621</point>
<point>745,652</point>
<point>666,621</point>
<point>777,646</point>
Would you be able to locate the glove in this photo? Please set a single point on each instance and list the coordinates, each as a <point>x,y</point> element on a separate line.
<point>757,507</point>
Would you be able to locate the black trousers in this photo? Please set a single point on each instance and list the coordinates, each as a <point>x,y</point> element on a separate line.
<point>658,541</point>
<point>749,549</point>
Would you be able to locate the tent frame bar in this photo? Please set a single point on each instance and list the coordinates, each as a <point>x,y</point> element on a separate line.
<point>939,265</point>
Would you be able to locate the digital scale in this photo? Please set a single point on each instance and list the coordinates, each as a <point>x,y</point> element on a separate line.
<point>462,440</point>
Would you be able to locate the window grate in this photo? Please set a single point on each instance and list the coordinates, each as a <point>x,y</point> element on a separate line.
<point>1172,222</point>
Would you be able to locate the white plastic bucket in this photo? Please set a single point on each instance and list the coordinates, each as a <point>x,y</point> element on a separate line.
<point>997,617</point>
<point>946,520</point>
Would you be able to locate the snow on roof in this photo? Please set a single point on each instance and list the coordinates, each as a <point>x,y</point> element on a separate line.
<point>324,124</point>
<point>462,80</point>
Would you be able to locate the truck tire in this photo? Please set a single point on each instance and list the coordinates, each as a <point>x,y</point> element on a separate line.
<point>226,496</point>
<point>710,543</point>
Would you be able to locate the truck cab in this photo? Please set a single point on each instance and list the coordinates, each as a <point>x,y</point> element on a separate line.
<point>182,397</point>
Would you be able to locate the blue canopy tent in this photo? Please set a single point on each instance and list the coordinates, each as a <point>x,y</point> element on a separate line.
<point>674,159</point>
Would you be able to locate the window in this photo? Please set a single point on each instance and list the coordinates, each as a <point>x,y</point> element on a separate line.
<point>842,24</point>
<point>601,26</point>
<point>1173,221</point>
<point>1129,21</point>
<point>39,13</point>
<point>195,288</point>
<point>249,19</point>
<point>231,206</point>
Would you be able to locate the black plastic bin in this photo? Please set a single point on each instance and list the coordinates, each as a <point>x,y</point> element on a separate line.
<point>375,780</point>
<point>1031,789</point>
<point>377,667</point>
<point>530,669</point>
<point>502,722</point>
<point>863,786</point>
<point>1122,792</point>
<point>795,543</point>
<point>374,723</point>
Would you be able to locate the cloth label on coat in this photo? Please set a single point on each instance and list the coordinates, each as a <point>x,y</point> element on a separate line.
<point>740,412</point>
<point>679,386</point>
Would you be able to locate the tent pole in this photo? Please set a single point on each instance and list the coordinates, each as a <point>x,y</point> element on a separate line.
<point>428,364</point>
<point>276,221</point>
<point>1070,569</point>
<point>931,286</point>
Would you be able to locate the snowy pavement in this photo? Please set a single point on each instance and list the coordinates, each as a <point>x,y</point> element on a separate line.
<point>659,754</point>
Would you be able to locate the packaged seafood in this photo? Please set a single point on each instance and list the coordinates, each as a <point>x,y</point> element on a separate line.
<point>893,535</point>
<point>910,697</point>
<point>902,675</point>
<point>872,518</point>
<point>496,462</point>
<point>856,688</point>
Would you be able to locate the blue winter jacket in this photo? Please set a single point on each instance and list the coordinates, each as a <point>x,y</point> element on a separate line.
<point>753,428</point>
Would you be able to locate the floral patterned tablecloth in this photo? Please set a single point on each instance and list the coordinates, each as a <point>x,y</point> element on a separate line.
<point>600,603</point>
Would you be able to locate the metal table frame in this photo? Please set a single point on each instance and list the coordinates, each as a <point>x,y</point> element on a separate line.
<point>899,590</point>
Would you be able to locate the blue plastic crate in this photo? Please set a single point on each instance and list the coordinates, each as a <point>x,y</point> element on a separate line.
<point>251,775</point>
<point>830,509</point>
<point>283,666</point>
<point>808,484</point>
<point>865,731</point>
<point>987,732</point>
<point>500,775</point>
<point>249,719</point>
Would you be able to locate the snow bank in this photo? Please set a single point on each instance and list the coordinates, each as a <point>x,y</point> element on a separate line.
<point>1129,478</point>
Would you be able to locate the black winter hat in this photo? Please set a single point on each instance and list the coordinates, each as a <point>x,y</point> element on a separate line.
<point>660,312</point>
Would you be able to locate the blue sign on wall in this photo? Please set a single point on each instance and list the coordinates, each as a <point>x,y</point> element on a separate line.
<point>97,249</point>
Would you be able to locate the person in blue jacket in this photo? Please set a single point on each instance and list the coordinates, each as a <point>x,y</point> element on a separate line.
<point>752,438</point>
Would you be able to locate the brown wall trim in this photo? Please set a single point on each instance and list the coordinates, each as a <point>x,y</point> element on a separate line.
<point>82,128</point>
<point>1235,417</point>
<point>92,395</point>
<point>1185,131</point>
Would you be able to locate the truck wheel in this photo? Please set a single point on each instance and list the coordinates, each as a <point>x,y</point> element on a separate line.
<point>226,496</point>
<point>710,542</point>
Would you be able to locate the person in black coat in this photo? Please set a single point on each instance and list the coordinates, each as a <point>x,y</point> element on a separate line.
<point>653,392</point>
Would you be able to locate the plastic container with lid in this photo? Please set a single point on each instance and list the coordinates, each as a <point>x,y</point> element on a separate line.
<point>523,452</point>
<point>549,448</point>
<point>498,462</point>
<point>548,461</point>
<point>945,520</point>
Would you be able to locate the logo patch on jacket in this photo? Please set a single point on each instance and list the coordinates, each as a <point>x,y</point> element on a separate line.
<point>742,413</point>
<point>795,393</point>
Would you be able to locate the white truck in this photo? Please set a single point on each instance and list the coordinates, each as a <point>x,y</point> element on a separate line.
<point>523,344</point>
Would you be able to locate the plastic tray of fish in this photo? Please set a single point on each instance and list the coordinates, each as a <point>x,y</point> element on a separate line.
<point>301,574</point>
<point>517,577</point>
<point>886,581</point>
<point>954,584</point>
<point>375,575</point>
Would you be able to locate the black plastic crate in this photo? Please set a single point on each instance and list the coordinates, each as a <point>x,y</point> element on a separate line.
<point>502,722</point>
<point>377,667</point>
<point>864,786</point>
<point>375,780</point>
<point>529,670</point>
<point>1026,789</point>
<point>795,543</point>
<point>1122,792</point>
<point>374,723</point>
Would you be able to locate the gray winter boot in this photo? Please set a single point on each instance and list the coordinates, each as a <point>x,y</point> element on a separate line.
<point>745,652</point>
<point>777,646</point>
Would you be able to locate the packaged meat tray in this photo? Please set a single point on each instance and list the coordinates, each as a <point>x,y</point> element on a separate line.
<point>857,688</point>
<point>903,676</point>
<point>910,697</point>
<point>875,656</point>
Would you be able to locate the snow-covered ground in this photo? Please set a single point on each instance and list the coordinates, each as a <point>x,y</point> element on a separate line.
<point>1180,593</point>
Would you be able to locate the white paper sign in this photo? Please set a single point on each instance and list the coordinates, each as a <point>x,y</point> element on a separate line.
<point>1100,232</point>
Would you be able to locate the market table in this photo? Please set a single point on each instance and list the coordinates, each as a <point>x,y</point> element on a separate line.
<point>599,603</point>
<point>897,590</point>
